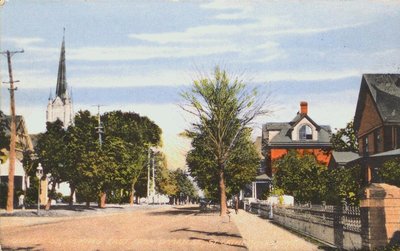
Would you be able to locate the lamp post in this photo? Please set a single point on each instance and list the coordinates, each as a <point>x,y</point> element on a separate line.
<point>39,174</point>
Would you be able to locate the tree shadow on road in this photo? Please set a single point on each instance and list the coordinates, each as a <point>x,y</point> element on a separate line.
<point>224,234</point>
<point>178,211</point>
<point>29,248</point>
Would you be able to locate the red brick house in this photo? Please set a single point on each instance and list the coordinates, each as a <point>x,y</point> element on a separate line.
<point>377,120</point>
<point>301,134</point>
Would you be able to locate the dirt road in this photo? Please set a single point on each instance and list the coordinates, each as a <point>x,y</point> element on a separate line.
<point>170,228</point>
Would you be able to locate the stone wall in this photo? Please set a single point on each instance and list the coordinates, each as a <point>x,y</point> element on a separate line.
<point>380,212</point>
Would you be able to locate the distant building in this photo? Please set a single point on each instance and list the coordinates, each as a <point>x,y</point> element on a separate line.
<point>262,182</point>
<point>377,120</point>
<point>23,143</point>
<point>61,107</point>
<point>301,134</point>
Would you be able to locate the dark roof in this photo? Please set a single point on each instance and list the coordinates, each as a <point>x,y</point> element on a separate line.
<point>344,157</point>
<point>61,88</point>
<point>385,91</point>
<point>395,152</point>
<point>18,120</point>
<point>285,131</point>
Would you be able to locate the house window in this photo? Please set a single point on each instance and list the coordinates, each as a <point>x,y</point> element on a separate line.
<point>377,141</point>
<point>366,145</point>
<point>305,132</point>
<point>387,138</point>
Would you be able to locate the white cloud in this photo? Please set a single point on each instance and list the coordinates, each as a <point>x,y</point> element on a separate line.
<point>160,78</point>
<point>199,34</point>
<point>19,42</point>
<point>146,52</point>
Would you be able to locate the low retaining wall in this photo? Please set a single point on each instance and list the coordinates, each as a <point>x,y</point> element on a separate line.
<point>333,232</point>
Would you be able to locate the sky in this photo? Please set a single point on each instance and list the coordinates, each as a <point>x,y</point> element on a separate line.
<point>140,55</point>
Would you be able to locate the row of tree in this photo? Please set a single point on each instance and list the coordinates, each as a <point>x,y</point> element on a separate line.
<point>113,166</point>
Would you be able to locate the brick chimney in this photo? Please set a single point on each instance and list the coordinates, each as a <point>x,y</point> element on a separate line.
<point>303,107</point>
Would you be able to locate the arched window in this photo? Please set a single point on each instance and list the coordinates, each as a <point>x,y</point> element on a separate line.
<point>305,132</point>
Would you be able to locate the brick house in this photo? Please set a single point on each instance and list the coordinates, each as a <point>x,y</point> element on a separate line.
<point>301,134</point>
<point>377,120</point>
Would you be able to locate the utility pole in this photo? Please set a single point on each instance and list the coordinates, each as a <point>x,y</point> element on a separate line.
<point>153,188</point>
<point>148,175</point>
<point>99,128</point>
<point>11,169</point>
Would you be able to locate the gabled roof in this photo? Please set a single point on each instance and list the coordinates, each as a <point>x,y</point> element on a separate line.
<point>285,130</point>
<point>299,117</point>
<point>385,92</point>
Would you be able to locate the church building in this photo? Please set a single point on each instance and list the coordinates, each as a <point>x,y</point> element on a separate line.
<point>60,107</point>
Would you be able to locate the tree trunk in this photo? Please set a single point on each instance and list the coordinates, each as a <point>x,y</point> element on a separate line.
<point>87,201</point>
<point>132,196</point>
<point>222,189</point>
<point>71,197</point>
<point>52,191</point>
<point>102,201</point>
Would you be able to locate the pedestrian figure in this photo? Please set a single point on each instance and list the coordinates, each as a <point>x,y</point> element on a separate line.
<point>236,203</point>
<point>21,200</point>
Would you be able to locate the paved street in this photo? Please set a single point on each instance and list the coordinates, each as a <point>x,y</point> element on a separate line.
<point>166,228</point>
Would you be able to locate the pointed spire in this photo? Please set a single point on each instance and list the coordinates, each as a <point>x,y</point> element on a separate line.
<point>61,78</point>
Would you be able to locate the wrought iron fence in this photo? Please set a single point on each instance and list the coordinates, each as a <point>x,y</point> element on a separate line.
<point>345,217</point>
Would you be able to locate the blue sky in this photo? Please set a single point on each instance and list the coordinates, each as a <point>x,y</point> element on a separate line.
<point>138,55</point>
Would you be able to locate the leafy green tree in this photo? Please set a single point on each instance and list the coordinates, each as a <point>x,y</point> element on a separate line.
<point>4,139</point>
<point>240,169</point>
<point>390,172</point>
<point>81,152</point>
<point>184,186</point>
<point>138,134</point>
<point>223,109</point>
<point>345,139</point>
<point>301,176</point>
<point>51,151</point>
<point>343,185</point>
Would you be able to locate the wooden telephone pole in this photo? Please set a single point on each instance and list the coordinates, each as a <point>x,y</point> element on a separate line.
<point>11,169</point>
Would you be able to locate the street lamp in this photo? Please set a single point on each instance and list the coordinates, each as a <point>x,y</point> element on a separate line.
<point>39,174</point>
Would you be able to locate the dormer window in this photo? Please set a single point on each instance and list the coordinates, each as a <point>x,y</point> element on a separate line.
<point>305,133</point>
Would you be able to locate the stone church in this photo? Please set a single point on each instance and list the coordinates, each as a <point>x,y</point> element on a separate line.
<point>60,107</point>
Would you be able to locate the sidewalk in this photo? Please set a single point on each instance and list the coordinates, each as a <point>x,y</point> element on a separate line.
<point>261,234</point>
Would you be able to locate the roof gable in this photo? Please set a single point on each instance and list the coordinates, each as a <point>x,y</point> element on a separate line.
<point>384,89</point>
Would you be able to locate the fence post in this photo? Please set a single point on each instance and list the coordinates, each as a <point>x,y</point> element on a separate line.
<point>271,211</point>
<point>380,216</point>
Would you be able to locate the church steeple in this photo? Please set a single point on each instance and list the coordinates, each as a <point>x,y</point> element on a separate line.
<point>60,107</point>
<point>61,90</point>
